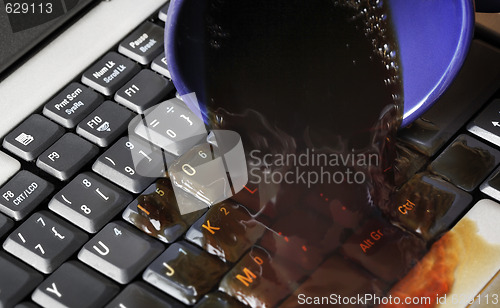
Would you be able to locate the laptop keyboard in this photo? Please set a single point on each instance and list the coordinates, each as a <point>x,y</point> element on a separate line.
<point>82,228</point>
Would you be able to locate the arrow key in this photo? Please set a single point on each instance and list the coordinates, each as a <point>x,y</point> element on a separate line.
<point>487,124</point>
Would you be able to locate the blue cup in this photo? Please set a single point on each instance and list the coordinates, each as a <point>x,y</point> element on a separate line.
<point>433,36</point>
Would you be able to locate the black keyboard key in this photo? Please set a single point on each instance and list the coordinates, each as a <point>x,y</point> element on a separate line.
<point>141,295</point>
<point>220,300</point>
<point>105,124</point>
<point>23,193</point>
<point>159,65</point>
<point>65,157</point>
<point>70,106</point>
<point>74,285</point>
<point>44,241</point>
<point>466,162</point>
<point>491,186</point>
<point>144,44</point>
<point>428,206</point>
<point>143,91</point>
<point>16,280</point>
<point>260,280</point>
<point>172,126</point>
<point>383,249</point>
<point>32,137</point>
<point>157,213</point>
<point>339,277</point>
<point>5,225</point>
<point>117,165</point>
<point>185,272</point>
<point>110,73</point>
<point>443,120</point>
<point>487,124</point>
<point>227,230</point>
<point>89,201</point>
<point>27,305</point>
<point>120,252</point>
<point>162,15</point>
<point>302,237</point>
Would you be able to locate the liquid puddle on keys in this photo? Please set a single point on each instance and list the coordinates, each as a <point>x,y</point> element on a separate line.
<point>317,101</point>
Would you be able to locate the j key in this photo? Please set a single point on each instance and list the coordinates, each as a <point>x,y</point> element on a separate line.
<point>159,65</point>
<point>74,285</point>
<point>105,124</point>
<point>5,225</point>
<point>218,299</point>
<point>23,193</point>
<point>340,277</point>
<point>461,263</point>
<point>438,125</point>
<point>44,241</point>
<point>120,252</point>
<point>16,280</point>
<point>260,280</point>
<point>141,295</point>
<point>116,165</point>
<point>383,249</point>
<point>65,157</point>
<point>32,137</point>
<point>110,73</point>
<point>157,213</point>
<point>172,126</point>
<point>303,238</point>
<point>487,124</point>
<point>428,206</point>
<point>89,201</point>
<point>466,162</point>
<point>227,230</point>
<point>73,104</point>
<point>143,91</point>
<point>144,44</point>
<point>162,15</point>
<point>185,272</point>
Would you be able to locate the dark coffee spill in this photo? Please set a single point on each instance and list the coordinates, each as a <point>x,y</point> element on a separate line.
<point>318,79</point>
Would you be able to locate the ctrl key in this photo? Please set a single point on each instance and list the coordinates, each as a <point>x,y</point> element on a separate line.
<point>74,285</point>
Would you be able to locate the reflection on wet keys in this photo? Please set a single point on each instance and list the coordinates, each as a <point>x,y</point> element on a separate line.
<point>185,272</point>
<point>261,280</point>
<point>339,277</point>
<point>384,250</point>
<point>227,230</point>
<point>427,205</point>
<point>302,237</point>
<point>156,212</point>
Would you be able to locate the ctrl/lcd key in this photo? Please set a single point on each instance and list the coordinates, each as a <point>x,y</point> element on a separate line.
<point>74,285</point>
